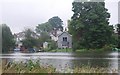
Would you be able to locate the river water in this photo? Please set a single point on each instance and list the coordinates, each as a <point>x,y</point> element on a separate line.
<point>71,60</point>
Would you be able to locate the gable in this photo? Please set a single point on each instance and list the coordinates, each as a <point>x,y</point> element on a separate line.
<point>65,33</point>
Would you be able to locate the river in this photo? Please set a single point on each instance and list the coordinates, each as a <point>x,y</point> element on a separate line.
<point>71,60</point>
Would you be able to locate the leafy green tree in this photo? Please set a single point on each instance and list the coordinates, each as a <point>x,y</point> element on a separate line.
<point>44,37</point>
<point>56,23</point>
<point>89,25</point>
<point>52,45</point>
<point>7,39</point>
<point>118,32</point>
<point>30,39</point>
<point>47,27</point>
<point>44,27</point>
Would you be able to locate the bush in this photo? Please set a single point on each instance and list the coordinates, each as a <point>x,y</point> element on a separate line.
<point>108,47</point>
<point>52,45</point>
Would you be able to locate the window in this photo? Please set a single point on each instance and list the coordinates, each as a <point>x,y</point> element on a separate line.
<point>65,39</point>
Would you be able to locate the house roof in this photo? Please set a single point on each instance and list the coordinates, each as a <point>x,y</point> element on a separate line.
<point>55,33</point>
<point>22,34</point>
<point>63,33</point>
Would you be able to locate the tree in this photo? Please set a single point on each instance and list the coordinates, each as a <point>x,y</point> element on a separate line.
<point>30,38</point>
<point>89,25</point>
<point>56,23</point>
<point>53,23</point>
<point>118,32</point>
<point>44,27</point>
<point>52,45</point>
<point>7,39</point>
<point>44,37</point>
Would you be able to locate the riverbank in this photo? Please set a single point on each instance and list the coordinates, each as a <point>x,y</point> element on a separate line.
<point>81,50</point>
<point>0,67</point>
<point>0,71</point>
<point>35,67</point>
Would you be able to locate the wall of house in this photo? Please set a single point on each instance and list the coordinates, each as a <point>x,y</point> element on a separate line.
<point>54,38</point>
<point>60,40</point>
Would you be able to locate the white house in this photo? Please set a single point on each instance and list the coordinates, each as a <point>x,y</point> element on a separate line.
<point>20,36</point>
<point>54,34</point>
<point>63,39</point>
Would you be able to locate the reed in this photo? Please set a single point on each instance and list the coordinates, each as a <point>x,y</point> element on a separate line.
<point>35,67</point>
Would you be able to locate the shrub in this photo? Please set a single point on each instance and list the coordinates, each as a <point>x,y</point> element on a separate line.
<point>52,45</point>
<point>108,47</point>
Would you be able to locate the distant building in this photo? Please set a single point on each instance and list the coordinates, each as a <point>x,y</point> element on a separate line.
<point>20,36</point>
<point>45,45</point>
<point>63,39</point>
<point>54,34</point>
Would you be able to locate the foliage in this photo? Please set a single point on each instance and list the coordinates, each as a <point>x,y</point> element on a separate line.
<point>118,32</point>
<point>61,50</point>
<point>53,23</point>
<point>52,45</point>
<point>29,67</point>
<point>108,47</point>
<point>44,37</point>
<point>56,22</point>
<point>32,67</point>
<point>7,38</point>
<point>44,30</point>
<point>30,38</point>
<point>115,40</point>
<point>44,27</point>
<point>89,25</point>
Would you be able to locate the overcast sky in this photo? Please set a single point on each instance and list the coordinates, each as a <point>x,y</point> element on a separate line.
<point>20,14</point>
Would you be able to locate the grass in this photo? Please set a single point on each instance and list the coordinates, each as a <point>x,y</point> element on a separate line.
<point>78,51</point>
<point>70,50</point>
<point>61,50</point>
<point>35,67</point>
<point>0,68</point>
<point>29,67</point>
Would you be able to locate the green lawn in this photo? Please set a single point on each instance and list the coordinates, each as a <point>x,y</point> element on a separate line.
<point>80,50</point>
<point>61,50</point>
